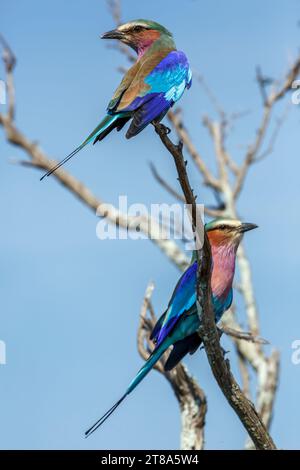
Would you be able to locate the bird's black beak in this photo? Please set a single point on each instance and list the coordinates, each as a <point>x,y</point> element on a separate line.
<point>246,227</point>
<point>113,34</point>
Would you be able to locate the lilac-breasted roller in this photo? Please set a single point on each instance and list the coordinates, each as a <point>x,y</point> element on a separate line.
<point>151,86</point>
<point>179,325</point>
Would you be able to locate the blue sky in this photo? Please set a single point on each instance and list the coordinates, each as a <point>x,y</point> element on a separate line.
<point>70,303</point>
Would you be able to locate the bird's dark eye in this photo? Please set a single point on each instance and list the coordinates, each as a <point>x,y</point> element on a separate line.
<point>138,29</point>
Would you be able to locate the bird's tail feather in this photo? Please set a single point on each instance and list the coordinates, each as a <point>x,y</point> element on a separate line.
<point>149,364</point>
<point>104,124</point>
<point>154,357</point>
<point>104,417</point>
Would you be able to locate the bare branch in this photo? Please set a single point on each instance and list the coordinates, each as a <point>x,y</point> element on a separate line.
<point>262,84</point>
<point>278,124</point>
<point>288,82</point>
<point>217,131</point>
<point>115,11</point>
<point>244,335</point>
<point>9,60</point>
<point>269,102</point>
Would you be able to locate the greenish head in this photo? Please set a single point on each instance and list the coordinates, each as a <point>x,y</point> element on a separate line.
<point>140,34</point>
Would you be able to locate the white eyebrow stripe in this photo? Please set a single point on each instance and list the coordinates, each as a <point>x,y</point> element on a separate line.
<point>128,26</point>
<point>229,223</point>
<point>123,27</point>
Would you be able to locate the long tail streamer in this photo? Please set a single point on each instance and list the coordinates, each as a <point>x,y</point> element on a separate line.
<point>153,358</point>
<point>104,417</point>
<point>68,157</point>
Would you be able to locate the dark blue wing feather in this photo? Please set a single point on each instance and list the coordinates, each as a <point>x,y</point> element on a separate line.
<point>166,84</point>
<point>183,298</point>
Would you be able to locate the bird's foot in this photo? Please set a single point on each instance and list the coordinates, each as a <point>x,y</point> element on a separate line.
<point>159,127</point>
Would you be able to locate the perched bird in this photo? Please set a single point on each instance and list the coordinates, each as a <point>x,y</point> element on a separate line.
<point>151,86</point>
<point>178,326</point>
